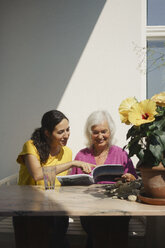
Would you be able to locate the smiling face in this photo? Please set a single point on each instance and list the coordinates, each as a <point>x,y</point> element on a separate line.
<point>60,134</point>
<point>100,135</point>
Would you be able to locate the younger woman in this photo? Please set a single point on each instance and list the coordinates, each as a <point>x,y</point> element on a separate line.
<point>47,147</point>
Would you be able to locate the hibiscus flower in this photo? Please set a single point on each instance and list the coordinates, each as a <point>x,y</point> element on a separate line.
<point>159,99</point>
<point>143,112</point>
<point>125,107</point>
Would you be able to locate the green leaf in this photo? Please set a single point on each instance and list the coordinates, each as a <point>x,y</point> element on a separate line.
<point>157,151</point>
<point>150,159</point>
<point>163,162</point>
<point>132,132</point>
<point>134,149</point>
<point>160,136</point>
<point>140,154</point>
<point>160,124</point>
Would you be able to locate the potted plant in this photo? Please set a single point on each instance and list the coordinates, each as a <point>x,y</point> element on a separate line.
<point>146,139</point>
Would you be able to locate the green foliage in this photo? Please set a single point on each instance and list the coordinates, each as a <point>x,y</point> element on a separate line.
<point>147,141</point>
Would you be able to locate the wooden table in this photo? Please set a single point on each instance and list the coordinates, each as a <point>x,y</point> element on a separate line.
<point>69,200</point>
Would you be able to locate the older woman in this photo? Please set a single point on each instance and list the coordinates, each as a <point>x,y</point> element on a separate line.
<point>104,231</point>
<point>47,147</point>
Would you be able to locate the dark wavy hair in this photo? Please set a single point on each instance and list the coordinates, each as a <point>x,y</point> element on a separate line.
<point>49,120</point>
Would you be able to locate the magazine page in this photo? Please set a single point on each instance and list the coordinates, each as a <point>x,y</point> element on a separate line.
<point>78,179</point>
<point>107,172</point>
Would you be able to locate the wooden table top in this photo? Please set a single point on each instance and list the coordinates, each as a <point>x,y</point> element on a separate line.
<point>69,200</point>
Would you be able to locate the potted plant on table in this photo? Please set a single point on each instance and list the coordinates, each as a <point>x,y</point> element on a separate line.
<point>146,139</point>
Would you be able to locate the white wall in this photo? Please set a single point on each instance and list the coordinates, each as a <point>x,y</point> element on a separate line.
<point>73,55</point>
<point>107,70</point>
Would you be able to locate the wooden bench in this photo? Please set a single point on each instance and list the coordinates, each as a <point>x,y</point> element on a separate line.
<point>75,233</point>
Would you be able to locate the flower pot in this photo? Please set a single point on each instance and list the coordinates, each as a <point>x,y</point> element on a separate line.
<point>154,181</point>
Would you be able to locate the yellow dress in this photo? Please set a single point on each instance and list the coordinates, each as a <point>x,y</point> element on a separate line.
<point>25,178</point>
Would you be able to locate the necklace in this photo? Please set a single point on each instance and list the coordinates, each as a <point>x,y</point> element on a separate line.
<point>101,156</point>
<point>100,153</point>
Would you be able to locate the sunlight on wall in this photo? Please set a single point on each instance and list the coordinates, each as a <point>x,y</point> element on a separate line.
<point>107,70</point>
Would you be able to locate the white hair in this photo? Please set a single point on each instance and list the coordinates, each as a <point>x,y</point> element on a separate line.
<point>96,118</point>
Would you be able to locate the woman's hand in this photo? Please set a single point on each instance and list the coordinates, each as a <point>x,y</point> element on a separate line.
<point>84,166</point>
<point>128,177</point>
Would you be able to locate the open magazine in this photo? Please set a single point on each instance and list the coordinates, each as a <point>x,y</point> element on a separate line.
<point>104,173</point>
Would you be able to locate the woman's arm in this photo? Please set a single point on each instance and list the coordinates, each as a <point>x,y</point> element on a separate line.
<point>35,169</point>
<point>33,166</point>
<point>86,167</point>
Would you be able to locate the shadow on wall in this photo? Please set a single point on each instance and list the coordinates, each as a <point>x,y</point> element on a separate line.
<point>42,43</point>
<point>40,46</point>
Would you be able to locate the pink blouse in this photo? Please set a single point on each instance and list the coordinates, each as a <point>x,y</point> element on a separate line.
<point>116,155</point>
